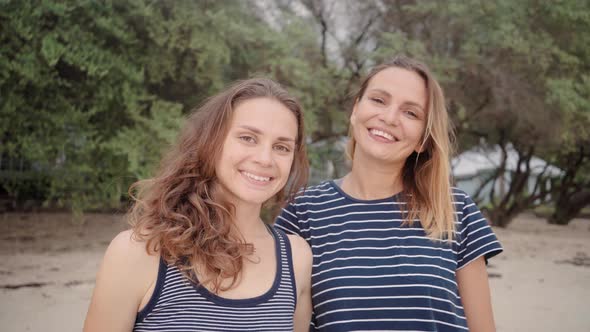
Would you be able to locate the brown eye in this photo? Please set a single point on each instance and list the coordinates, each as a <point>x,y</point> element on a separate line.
<point>377,100</point>
<point>412,114</point>
<point>282,148</point>
<point>247,139</point>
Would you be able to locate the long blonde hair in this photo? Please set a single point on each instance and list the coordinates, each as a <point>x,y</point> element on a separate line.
<point>426,175</point>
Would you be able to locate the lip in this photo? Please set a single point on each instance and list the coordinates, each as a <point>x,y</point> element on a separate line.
<point>381,138</point>
<point>251,178</point>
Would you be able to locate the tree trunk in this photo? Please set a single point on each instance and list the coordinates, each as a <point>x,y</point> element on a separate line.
<point>500,217</point>
<point>568,207</point>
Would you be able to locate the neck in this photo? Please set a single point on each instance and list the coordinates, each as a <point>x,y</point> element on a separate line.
<point>372,179</point>
<point>248,222</point>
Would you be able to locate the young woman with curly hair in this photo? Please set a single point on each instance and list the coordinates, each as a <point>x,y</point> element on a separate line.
<point>198,257</point>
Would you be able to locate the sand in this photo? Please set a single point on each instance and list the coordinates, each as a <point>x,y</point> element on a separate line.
<point>48,264</point>
<point>541,282</point>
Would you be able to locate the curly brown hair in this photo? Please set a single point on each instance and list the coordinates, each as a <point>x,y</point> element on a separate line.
<point>182,214</point>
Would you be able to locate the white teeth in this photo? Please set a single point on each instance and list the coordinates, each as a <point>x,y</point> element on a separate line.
<point>382,134</point>
<point>256,177</point>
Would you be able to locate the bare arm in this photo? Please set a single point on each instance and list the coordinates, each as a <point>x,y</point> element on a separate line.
<point>475,296</point>
<point>302,263</point>
<point>127,272</point>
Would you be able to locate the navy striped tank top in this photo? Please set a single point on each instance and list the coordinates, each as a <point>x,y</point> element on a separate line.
<point>179,305</point>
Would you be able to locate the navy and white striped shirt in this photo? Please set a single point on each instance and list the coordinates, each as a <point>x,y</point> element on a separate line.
<point>181,306</point>
<point>370,272</point>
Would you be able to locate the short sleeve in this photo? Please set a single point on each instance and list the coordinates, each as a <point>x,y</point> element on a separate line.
<point>476,236</point>
<point>287,220</point>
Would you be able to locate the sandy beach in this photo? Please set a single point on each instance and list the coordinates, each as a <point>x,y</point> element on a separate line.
<point>47,267</point>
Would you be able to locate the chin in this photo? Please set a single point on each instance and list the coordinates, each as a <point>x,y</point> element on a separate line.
<point>254,198</point>
<point>378,154</point>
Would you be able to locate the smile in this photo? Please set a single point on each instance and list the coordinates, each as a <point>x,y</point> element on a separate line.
<point>256,177</point>
<point>382,134</point>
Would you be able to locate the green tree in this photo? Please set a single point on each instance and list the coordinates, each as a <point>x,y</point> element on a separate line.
<point>501,62</point>
<point>93,91</point>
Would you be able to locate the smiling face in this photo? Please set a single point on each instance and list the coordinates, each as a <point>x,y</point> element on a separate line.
<point>258,151</point>
<point>389,119</point>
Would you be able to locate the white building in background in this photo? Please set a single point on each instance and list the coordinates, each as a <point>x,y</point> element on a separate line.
<point>471,169</point>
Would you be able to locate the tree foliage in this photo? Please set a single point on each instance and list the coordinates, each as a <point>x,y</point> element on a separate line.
<point>92,91</point>
<point>515,75</point>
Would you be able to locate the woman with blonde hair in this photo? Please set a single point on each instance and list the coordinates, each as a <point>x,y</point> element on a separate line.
<point>395,247</point>
<point>198,257</point>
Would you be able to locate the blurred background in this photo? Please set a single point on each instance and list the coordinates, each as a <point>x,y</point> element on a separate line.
<point>92,92</point>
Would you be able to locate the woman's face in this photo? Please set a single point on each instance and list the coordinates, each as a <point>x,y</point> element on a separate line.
<point>389,120</point>
<point>258,151</point>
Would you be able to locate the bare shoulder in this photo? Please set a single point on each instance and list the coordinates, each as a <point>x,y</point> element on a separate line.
<point>124,279</point>
<point>126,244</point>
<point>126,241</point>
<point>130,258</point>
<point>300,249</point>
<point>302,265</point>
<point>299,244</point>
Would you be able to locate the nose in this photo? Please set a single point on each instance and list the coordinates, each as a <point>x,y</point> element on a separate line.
<point>264,156</point>
<point>391,116</point>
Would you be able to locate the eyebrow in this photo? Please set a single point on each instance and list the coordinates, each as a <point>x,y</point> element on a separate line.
<point>411,103</point>
<point>259,132</point>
